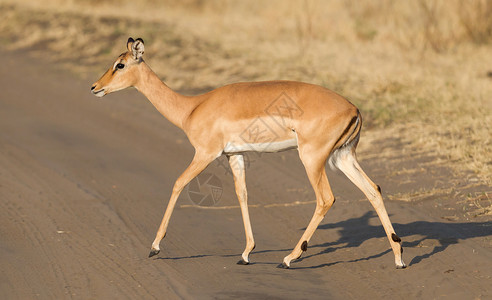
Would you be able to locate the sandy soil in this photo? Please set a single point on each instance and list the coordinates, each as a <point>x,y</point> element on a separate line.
<point>84,183</point>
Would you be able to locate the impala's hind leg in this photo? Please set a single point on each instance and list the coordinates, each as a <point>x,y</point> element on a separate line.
<point>346,161</point>
<point>314,163</point>
<point>237,166</point>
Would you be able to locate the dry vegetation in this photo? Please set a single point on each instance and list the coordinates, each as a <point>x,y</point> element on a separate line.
<point>417,69</point>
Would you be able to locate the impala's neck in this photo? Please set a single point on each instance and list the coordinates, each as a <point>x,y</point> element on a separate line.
<point>174,106</point>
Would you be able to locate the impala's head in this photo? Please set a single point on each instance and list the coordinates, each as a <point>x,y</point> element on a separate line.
<point>124,71</point>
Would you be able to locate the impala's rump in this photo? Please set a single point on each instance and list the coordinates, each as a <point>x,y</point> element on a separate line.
<point>348,140</point>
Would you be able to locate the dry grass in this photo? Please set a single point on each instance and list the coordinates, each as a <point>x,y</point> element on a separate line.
<point>417,69</point>
<point>481,203</point>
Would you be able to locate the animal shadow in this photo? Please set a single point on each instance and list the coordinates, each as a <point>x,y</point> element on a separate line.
<point>439,235</point>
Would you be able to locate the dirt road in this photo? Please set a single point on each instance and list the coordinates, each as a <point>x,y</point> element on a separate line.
<point>84,183</point>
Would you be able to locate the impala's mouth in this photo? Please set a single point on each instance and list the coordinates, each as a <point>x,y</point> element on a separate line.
<point>99,93</point>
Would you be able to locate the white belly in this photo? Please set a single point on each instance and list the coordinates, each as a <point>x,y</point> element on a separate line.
<point>275,146</point>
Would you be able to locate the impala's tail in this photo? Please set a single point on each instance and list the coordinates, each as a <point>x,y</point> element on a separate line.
<point>347,141</point>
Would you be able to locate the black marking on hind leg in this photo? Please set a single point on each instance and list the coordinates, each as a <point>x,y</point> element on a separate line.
<point>304,246</point>
<point>395,238</point>
<point>379,189</point>
<point>401,250</point>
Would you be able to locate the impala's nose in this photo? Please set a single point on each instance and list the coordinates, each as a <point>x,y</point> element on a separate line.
<point>93,87</point>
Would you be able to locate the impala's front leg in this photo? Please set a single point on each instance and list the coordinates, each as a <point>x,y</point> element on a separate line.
<point>199,163</point>
<point>237,166</point>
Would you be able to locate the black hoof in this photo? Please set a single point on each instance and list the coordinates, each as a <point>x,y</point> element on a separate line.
<point>153,252</point>
<point>242,262</point>
<point>283,266</point>
<point>401,267</point>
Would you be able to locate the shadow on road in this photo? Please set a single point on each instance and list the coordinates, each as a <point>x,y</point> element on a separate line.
<point>353,232</point>
<point>438,235</point>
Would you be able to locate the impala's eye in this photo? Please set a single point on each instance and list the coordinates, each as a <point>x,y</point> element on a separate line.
<point>120,66</point>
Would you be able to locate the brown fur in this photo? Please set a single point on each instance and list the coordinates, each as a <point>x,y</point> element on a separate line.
<point>320,121</point>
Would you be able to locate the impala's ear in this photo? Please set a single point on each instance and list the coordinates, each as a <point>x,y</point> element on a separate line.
<point>138,49</point>
<point>129,44</point>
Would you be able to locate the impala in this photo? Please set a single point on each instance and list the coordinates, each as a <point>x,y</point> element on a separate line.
<point>322,125</point>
